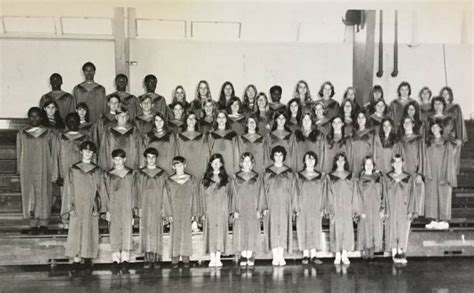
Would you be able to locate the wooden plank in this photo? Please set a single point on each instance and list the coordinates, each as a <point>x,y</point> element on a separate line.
<point>9,183</point>
<point>10,203</point>
<point>13,123</point>
<point>7,166</point>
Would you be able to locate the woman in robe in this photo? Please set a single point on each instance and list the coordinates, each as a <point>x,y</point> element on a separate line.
<point>208,116</point>
<point>348,113</point>
<point>376,94</point>
<point>397,105</point>
<point>85,126</point>
<point>379,114</point>
<point>254,143</point>
<point>308,138</point>
<point>321,120</point>
<point>203,93</point>
<point>454,110</point>
<point>425,103</point>
<point>412,110</point>
<point>223,140</point>
<point>263,114</point>
<point>293,112</point>
<point>176,123</point>
<point>52,118</point>
<point>326,93</point>
<point>351,94</point>
<point>179,95</point>
<point>236,118</point>
<point>385,146</point>
<point>281,135</point>
<point>227,93</point>
<point>362,142</point>
<point>335,142</point>
<point>249,100</point>
<point>411,146</point>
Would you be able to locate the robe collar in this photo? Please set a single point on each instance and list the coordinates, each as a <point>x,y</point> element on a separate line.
<point>86,167</point>
<point>185,138</point>
<point>257,140</point>
<point>129,171</point>
<point>80,136</point>
<point>230,134</point>
<point>57,95</point>
<point>273,173</point>
<point>315,178</point>
<point>337,178</point>
<point>252,179</point>
<point>286,137</point>
<point>153,137</point>
<point>37,133</point>
<point>127,132</point>
<point>88,86</point>
<point>374,177</point>
<point>152,172</point>
<point>313,135</point>
<point>405,177</point>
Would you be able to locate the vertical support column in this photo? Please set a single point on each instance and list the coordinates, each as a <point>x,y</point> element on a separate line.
<point>121,43</point>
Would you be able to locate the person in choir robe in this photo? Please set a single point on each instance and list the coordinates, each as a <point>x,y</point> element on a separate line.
<point>154,206</point>
<point>412,111</point>
<point>106,119</point>
<point>275,96</point>
<point>379,114</point>
<point>203,93</point>
<point>351,94</point>
<point>253,142</point>
<point>385,145</point>
<point>223,140</point>
<point>342,205</point>
<point>454,110</point>
<point>66,152</point>
<point>158,101</point>
<point>306,139</point>
<point>397,105</point>
<point>119,203</point>
<point>438,110</point>
<point>33,149</point>
<point>144,121</point>
<point>176,123</point>
<point>85,126</point>
<point>425,103</point>
<point>179,95</point>
<point>303,95</point>
<point>294,109</point>
<point>192,144</point>
<point>402,199</point>
<point>362,142</point>
<point>321,121</point>
<point>249,100</point>
<point>236,116</point>
<point>52,119</point>
<point>207,120</point>
<point>163,140</point>
<point>247,187</point>
<point>183,192</point>
<point>371,189</point>
<point>122,135</point>
<point>279,202</point>
<point>376,94</point>
<point>65,101</point>
<point>281,135</point>
<point>226,94</point>
<point>263,114</point>
<point>326,94</point>
<point>82,183</point>
<point>441,176</point>
<point>348,112</point>
<point>91,93</point>
<point>311,196</point>
<point>216,204</point>
<point>412,147</point>
<point>336,142</point>
<point>126,99</point>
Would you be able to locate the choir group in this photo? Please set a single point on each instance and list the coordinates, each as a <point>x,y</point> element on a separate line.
<point>247,165</point>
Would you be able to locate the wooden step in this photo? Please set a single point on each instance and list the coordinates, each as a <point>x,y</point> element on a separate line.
<point>9,183</point>
<point>8,166</point>
<point>13,123</point>
<point>7,152</point>
<point>10,203</point>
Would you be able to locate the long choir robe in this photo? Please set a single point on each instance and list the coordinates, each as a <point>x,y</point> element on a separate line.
<point>440,178</point>
<point>450,132</point>
<point>34,159</point>
<point>216,204</point>
<point>82,185</point>
<point>280,198</point>
<point>323,125</point>
<point>375,121</point>
<point>264,123</point>
<point>159,104</point>
<point>401,201</point>
<point>332,148</point>
<point>454,110</point>
<point>65,101</point>
<point>130,102</point>
<point>413,150</point>
<point>293,124</point>
<point>425,111</point>
<point>144,124</point>
<point>287,141</point>
<point>332,107</point>
<point>154,204</point>
<point>237,123</point>
<point>396,109</point>
<point>166,146</point>
<point>246,192</point>
<point>175,125</point>
<point>313,142</point>
<point>342,204</point>
<point>87,128</point>
<point>311,201</point>
<point>129,141</point>
<point>348,127</point>
<point>105,121</point>
<point>195,150</point>
<point>206,124</point>
<point>384,150</point>
<point>93,94</point>
<point>362,146</point>
<point>257,148</point>
<point>372,202</point>
<point>119,198</point>
<point>184,199</point>
<point>226,145</point>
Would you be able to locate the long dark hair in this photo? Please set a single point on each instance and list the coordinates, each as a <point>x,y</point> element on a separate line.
<point>392,137</point>
<point>222,101</point>
<point>223,177</point>
<point>84,106</point>
<point>278,114</point>
<point>245,100</point>
<point>336,157</point>
<point>58,121</point>
<point>227,122</point>
<point>298,113</point>
<point>416,119</point>
<point>330,135</point>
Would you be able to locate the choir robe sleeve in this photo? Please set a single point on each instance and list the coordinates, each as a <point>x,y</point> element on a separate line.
<point>56,165</point>
<point>292,153</point>
<point>166,210</point>
<point>294,194</point>
<point>324,193</point>
<point>423,163</point>
<point>134,194</point>
<point>384,202</point>
<point>200,204</point>
<point>18,151</point>
<point>104,193</point>
<point>329,207</point>
<point>452,149</point>
<point>416,197</point>
<point>68,205</point>
<point>231,196</point>
<point>234,200</point>
<point>104,152</point>
<point>459,124</point>
<point>357,203</point>
<point>262,197</point>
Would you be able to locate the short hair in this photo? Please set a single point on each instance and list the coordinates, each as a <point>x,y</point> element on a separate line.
<point>275,88</point>
<point>142,98</point>
<point>88,145</point>
<point>150,77</point>
<point>72,115</point>
<point>175,103</point>
<point>321,89</point>
<point>425,88</point>
<point>119,153</point>
<point>178,159</point>
<point>232,101</point>
<point>336,158</point>
<point>121,75</point>
<point>311,154</point>
<point>245,155</point>
<point>55,75</point>
<point>450,92</point>
<point>151,151</point>
<point>278,149</point>
<point>33,110</point>
<point>122,110</point>
<point>404,83</point>
<point>114,95</point>
<point>395,157</point>
<point>364,161</point>
<point>90,64</point>
<point>438,99</point>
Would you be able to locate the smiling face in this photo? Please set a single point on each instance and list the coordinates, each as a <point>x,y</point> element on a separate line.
<point>146,105</point>
<point>87,155</point>
<point>159,123</point>
<point>327,91</point>
<point>309,162</point>
<point>247,164</point>
<point>122,118</point>
<point>445,94</point>
<point>436,130</point>
<point>369,166</point>
<point>319,111</point>
<point>221,120</point>
<point>180,94</point>
<point>216,165</point>
<point>425,96</point>
<point>251,125</point>
<point>387,127</point>
<point>438,107</point>
<point>150,160</point>
<point>208,109</point>
<point>347,108</point>
<point>50,110</point>
<point>35,118</point>
<point>340,163</point>
<point>261,103</point>
<point>203,90</point>
<point>307,122</point>
<point>337,124</point>
<point>411,111</point>
<point>114,104</point>
<point>178,111</point>
<point>408,125</point>
<point>179,168</point>
<point>397,164</point>
<point>361,120</point>
<point>380,107</point>
<point>228,91</point>
<point>294,109</point>
<point>191,121</point>
<point>302,89</point>
<point>280,121</point>
<point>89,72</point>
<point>235,107</point>
<point>278,158</point>
<point>251,94</point>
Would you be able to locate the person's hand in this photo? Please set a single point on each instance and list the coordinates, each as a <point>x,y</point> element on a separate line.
<point>418,179</point>
<point>236,215</point>
<point>203,217</point>
<point>265,212</point>
<point>60,182</point>
<point>194,226</point>
<point>259,215</point>
<point>410,216</point>
<point>73,213</point>
<point>94,214</point>
<point>382,215</point>
<point>107,216</point>
<point>170,219</point>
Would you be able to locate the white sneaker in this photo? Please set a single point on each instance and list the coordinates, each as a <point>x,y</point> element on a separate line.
<point>442,225</point>
<point>282,262</point>
<point>218,263</point>
<point>431,225</point>
<point>345,260</point>
<point>337,260</point>
<point>275,262</point>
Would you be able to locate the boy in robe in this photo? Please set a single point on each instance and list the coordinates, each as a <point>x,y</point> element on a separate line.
<point>34,158</point>
<point>119,201</point>
<point>91,93</point>
<point>107,119</point>
<point>126,99</point>
<point>275,95</point>
<point>144,121</point>
<point>182,191</point>
<point>397,105</point>
<point>82,185</point>
<point>65,101</point>
<point>159,102</point>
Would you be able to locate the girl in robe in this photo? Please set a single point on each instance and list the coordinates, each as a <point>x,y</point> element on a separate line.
<point>52,118</point>
<point>454,110</point>
<point>208,116</point>
<point>263,114</point>
<point>350,94</point>
<point>306,139</point>
<point>379,114</point>
<point>85,126</point>
<point>412,110</point>
<point>236,118</point>
<point>311,195</point>
<point>348,113</point>
<point>293,112</point>
<point>376,94</point>
<point>249,101</point>
<point>246,192</point>
<point>411,146</point>
<point>335,142</point>
<point>106,119</point>
<point>176,123</point>
<point>326,93</point>
<point>385,145</point>
<point>303,95</point>
<point>362,142</point>
<point>321,120</point>
<point>397,105</point>
<point>438,110</point>
<point>227,93</point>
<point>253,142</point>
<point>144,121</point>
<point>223,140</point>
<point>203,93</point>
<point>281,135</point>
<point>179,95</point>
<point>217,200</point>
<point>425,103</point>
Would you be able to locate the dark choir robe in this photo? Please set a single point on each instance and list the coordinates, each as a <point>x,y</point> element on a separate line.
<point>130,102</point>
<point>313,142</point>
<point>144,124</point>
<point>425,112</point>
<point>105,121</point>
<point>87,128</point>
<point>119,198</point>
<point>206,124</point>
<point>154,204</point>
<point>184,199</point>
<point>264,122</point>
<point>384,150</point>
<point>402,199</point>
<point>332,108</point>
<point>371,190</point>
<point>93,94</point>
<point>348,127</point>
<point>82,185</point>
<point>293,124</point>
<point>287,141</point>
<point>65,101</point>
<point>166,146</point>
<point>362,146</point>
<point>237,123</point>
<point>440,178</point>
<point>375,121</point>
<point>226,145</point>
<point>175,125</point>
<point>311,201</point>
<point>280,198</point>
<point>195,150</point>
<point>257,148</point>
<point>275,107</point>
<point>454,110</point>
<point>129,141</point>
<point>216,203</point>
<point>65,153</point>
<point>159,104</point>
<point>413,150</point>
<point>342,204</point>
<point>332,148</point>
<point>396,110</point>
<point>323,125</point>
<point>196,107</point>
<point>34,159</point>
<point>246,191</point>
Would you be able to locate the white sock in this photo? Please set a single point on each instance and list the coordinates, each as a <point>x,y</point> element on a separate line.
<point>313,253</point>
<point>116,256</point>
<point>305,253</point>
<point>125,256</point>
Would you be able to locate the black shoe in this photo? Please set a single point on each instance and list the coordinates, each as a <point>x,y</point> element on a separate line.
<point>88,263</point>
<point>115,268</point>
<point>305,260</point>
<point>147,265</point>
<point>316,261</point>
<point>43,230</point>
<point>124,266</point>
<point>186,261</point>
<point>35,231</point>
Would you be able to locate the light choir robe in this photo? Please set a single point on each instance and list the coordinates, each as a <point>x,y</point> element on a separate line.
<point>257,147</point>
<point>194,148</point>
<point>129,141</point>
<point>226,145</point>
<point>288,142</point>
<point>167,149</point>
<point>65,101</point>
<point>362,146</point>
<point>313,142</point>
<point>93,94</point>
